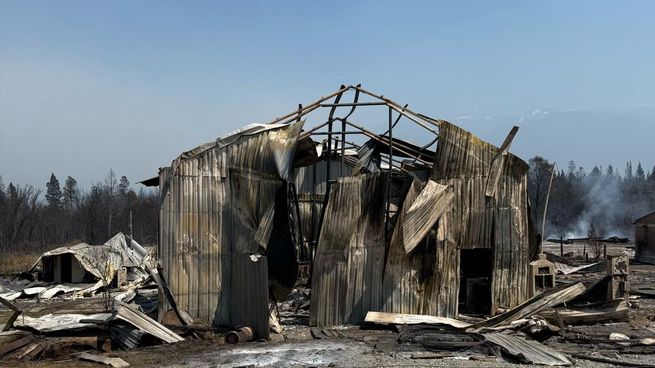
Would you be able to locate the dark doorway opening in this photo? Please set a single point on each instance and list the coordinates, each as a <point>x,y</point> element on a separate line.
<point>66,267</point>
<point>475,281</point>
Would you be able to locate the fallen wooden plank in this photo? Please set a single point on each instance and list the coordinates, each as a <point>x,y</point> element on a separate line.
<point>13,317</point>
<point>527,351</point>
<point>145,323</point>
<point>382,318</point>
<point>534,305</point>
<point>114,362</point>
<point>433,355</point>
<point>9,347</point>
<point>613,311</point>
<point>31,351</point>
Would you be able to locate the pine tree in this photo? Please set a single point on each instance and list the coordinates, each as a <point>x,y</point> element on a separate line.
<point>595,171</point>
<point>572,169</point>
<point>123,185</point>
<point>639,174</point>
<point>12,193</point>
<point>3,196</point>
<point>71,194</point>
<point>53,192</point>
<point>628,171</point>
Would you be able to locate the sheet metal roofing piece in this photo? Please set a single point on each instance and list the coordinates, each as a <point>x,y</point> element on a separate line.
<point>59,322</point>
<point>145,323</point>
<point>534,305</point>
<point>528,351</point>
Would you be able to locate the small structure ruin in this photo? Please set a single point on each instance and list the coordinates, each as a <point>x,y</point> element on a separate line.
<point>115,261</point>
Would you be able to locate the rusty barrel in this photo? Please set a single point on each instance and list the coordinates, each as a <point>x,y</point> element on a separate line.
<point>243,334</point>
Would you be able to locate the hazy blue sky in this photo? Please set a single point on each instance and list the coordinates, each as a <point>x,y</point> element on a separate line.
<point>89,85</point>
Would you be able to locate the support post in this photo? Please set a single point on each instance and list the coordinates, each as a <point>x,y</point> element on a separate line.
<point>389,175</point>
<point>543,223</point>
<point>561,247</point>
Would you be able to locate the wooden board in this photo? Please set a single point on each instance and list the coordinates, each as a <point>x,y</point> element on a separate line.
<point>383,318</point>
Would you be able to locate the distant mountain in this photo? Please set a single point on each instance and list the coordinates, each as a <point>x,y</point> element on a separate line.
<point>587,137</point>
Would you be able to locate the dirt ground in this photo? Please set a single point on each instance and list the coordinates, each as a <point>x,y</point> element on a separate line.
<point>353,346</point>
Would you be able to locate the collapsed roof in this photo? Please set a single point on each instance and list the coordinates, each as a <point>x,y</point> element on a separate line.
<point>386,228</point>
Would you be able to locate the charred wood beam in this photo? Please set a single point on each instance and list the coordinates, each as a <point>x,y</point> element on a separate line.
<point>13,317</point>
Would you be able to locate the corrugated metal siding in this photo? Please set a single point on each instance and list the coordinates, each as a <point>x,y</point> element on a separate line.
<point>463,161</point>
<point>310,183</point>
<point>347,274</point>
<point>214,199</point>
<point>425,281</point>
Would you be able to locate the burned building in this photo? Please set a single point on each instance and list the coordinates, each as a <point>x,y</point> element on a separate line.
<point>645,238</point>
<point>383,224</point>
<point>86,263</point>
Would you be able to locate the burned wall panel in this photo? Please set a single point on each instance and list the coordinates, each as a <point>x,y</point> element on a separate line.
<point>425,280</point>
<point>463,161</point>
<point>214,200</point>
<point>347,274</point>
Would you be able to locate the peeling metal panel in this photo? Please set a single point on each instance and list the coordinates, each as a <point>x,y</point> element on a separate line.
<point>215,199</point>
<point>463,161</point>
<point>425,281</point>
<point>430,204</point>
<point>347,274</point>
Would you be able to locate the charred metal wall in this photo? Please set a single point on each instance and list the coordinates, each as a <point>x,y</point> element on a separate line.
<point>216,225</point>
<point>425,281</point>
<point>348,265</point>
<point>311,182</point>
<point>464,162</point>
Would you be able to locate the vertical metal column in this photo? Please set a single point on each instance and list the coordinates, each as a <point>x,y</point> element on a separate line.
<point>387,221</point>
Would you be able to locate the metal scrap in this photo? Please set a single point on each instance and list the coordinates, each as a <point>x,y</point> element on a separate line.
<point>145,323</point>
<point>528,351</point>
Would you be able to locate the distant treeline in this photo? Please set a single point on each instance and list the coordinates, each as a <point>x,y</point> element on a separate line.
<point>601,203</point>
<point>32,220</point>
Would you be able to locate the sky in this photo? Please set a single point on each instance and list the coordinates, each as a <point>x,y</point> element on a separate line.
<point>88,86</point>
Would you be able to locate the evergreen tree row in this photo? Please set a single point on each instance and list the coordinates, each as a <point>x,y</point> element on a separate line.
<point>64,215</point>
<point>602,203</point>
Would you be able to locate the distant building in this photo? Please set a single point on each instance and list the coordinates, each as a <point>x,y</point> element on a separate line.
<point>645,238</point>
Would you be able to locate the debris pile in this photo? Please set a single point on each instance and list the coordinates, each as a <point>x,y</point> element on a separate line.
<point>94,310</point>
